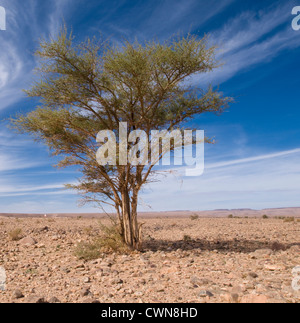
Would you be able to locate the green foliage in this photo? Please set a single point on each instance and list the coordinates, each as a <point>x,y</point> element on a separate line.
<point>92,86</point>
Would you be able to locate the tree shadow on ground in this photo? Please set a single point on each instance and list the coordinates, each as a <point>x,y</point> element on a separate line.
<point>236,246</point>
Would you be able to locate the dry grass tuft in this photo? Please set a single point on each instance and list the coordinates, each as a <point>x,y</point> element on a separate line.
<point>187,238</point>
<point>290,219</point>
<point>15,235</point>
<point>110,241</point>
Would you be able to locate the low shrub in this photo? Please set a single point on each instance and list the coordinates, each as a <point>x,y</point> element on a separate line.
<point>187,238</point>
<point>110,241</point>
<point>15,235</point>
<point>290,219</point>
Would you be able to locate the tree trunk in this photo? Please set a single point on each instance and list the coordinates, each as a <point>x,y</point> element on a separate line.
<point>132,232</point>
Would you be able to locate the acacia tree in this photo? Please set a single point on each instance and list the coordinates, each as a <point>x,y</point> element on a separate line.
<point>92,86</point>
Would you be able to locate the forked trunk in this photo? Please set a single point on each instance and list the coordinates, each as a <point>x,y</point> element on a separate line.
<point>131,229</point>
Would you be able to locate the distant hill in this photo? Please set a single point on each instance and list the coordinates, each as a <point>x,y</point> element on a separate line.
<point>223,213</point>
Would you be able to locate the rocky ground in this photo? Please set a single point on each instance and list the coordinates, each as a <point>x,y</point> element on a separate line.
<point>195,261</point>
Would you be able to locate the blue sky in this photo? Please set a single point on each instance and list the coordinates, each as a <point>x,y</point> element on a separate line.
<point>256,161</point>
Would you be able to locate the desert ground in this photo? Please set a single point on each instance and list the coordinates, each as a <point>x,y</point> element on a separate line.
<point>193,260</point>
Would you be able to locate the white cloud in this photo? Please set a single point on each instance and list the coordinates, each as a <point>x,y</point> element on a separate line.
<point>10,163</point>
<point>13,190</point>
<point>170,17</point>
<point>26,25</point>
<point>247,40</point>
<point>251,39</point>
<point>14,154</point>
<point>263,181</point>
<point>253,159</point>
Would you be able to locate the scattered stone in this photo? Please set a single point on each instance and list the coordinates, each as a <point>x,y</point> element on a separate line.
<point>28,241</point>
<point>117,281</point>
<point>35,300</point>
<point>86,280</point>
<point>65,270</point>
<point>205,293</point>
<point>54,300</point>
<point>138,294</point>
<point>254,299</point>
<point>91,301</point>
<point>85,292</point>
<point>263,252</point>
<point>235,298</point>
<point>274,267</point>
<point>170,270</point>
<point>253,275</point>
<point>18,294</point>
<point>200,281</point>
<point>295,248</point>
<point>44,229</point>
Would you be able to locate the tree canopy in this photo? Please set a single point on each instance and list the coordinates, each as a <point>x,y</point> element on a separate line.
<point>95,85</point>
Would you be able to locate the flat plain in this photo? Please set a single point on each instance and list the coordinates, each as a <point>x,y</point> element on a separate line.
<point>194,260</point>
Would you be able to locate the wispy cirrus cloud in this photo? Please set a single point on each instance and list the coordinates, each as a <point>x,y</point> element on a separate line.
<point>27,23</point>
<point>10,162</point>
<point>253,159</point>
<point>169,17</point>
<point>250,39</point>
<point>14,152</point>
<point>235,178</point>
<point>270,180</point>
<point>260,181</point>
<point>9,190</point>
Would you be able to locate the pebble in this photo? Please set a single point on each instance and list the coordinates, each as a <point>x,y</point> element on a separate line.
<point>18,294</point>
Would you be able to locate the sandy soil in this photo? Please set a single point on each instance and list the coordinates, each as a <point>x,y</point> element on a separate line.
<point>196,261</point>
